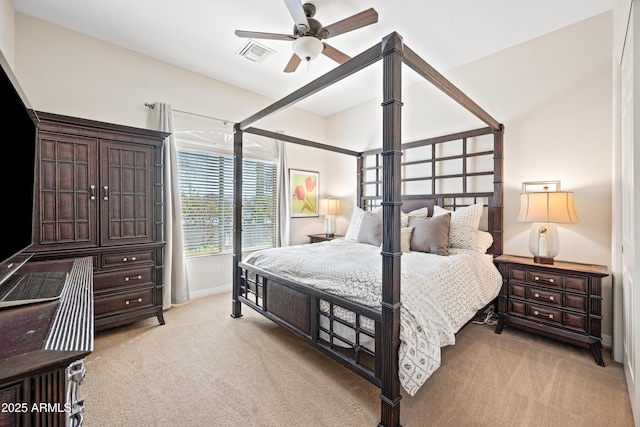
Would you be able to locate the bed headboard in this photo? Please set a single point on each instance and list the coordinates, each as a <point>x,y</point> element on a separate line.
<point>452,171</point>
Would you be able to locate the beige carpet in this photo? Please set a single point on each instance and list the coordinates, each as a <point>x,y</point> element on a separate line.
<point>204,368</point>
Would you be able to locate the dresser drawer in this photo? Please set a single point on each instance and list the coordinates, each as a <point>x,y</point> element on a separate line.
<point>125,259</point>
<point>127,277</point>
<point>126,301</point>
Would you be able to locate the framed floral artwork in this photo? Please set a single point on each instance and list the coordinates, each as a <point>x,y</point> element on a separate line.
<point>303,187</point>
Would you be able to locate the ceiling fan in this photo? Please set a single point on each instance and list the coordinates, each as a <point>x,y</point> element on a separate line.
<point>308,34</point>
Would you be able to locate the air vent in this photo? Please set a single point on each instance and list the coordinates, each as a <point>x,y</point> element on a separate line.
<point>254,51</point>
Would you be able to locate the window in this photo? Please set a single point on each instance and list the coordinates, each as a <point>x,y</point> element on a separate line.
<point>206,194</point>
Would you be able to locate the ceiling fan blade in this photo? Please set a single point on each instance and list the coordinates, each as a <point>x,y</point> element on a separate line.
<point>258,35</point>
<point>293,63</point>
<point>359,20</point>
<point>335,54</point>
<point>299,16</point>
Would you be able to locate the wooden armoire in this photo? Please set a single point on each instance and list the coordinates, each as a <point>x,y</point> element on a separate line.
<point>99,194</point>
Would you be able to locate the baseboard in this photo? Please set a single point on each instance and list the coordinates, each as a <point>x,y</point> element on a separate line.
<point>210,291</point>
<point>606,340</point>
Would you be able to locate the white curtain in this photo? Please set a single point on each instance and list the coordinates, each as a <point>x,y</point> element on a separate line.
<point>176,285</point>
<point>284,201</point>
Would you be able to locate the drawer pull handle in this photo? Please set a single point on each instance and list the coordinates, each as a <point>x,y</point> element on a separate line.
<point>126,279</point>
<point>125,259</point>
<point>538,279</point>
<point>92,193</point>
<point>537,313</point>
<point>105,193</point>
<point>132,301</point>
<point>551,298</point>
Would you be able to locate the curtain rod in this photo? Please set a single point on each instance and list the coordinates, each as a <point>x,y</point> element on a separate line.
<point>224,121</point>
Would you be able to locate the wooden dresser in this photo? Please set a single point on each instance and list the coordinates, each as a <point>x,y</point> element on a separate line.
<point>43,348</point>
<point>561,301</point>
<point>99,193</point>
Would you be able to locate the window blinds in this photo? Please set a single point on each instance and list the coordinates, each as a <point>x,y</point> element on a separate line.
<point>206,194</point>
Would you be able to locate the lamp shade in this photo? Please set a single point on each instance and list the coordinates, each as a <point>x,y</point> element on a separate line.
<point>547,207</point>
<point>307,47</point>
<point>329,207</point>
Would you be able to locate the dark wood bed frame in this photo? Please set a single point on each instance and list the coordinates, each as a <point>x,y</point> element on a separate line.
<point>298,307</point>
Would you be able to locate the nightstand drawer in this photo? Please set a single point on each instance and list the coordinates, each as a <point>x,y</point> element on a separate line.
<point>545,296</point>
<point>544,278</point>
<point>546,314</point>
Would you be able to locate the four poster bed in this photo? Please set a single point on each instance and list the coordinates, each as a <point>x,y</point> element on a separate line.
<point>335,295</point>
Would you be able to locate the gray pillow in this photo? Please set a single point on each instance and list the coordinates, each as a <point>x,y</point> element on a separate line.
<point>370,229</point>
<point>431,234</point>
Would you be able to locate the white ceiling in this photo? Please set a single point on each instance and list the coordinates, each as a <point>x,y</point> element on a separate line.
<point>199,34</point>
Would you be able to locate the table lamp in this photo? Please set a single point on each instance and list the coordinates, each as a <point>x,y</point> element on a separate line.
<point>545,209</point>
<point>329,208</point>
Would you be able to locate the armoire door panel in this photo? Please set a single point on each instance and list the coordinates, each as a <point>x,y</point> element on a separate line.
<point>127,172</point>
<point>66,212</point>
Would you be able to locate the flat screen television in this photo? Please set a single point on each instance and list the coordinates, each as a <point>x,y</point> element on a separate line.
<point>17,173</point>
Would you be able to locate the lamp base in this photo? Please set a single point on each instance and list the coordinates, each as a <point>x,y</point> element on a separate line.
<point>543,260</point>
<point>543,242</point>
<point>329,225</point>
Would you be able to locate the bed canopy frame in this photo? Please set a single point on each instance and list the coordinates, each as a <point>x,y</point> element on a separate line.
<point>274,301</point>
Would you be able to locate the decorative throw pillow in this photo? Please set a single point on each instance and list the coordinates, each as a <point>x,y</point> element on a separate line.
<point>404,218</point>
<point>464,224</point>
<point>430,234</point>
<point>354,225</point>
<point>485,240</point>
<point>405,238</point>
<point>370,229</point>
<point>420,213</point>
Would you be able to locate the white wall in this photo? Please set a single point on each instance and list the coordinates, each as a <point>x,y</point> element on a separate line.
<point>7,30</point>
<point>553,94</point>
<point>64,72</point>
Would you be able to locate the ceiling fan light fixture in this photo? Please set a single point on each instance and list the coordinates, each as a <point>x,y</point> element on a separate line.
<point>307,47</point>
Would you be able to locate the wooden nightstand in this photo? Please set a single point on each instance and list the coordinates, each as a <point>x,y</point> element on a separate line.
<point>315,238</point>
<point>561,301</point>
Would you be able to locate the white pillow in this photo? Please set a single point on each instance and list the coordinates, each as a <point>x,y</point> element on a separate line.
<point>484,242</point>
<point>354,225</point>
<point>464,226</point>
<point>420,213</point>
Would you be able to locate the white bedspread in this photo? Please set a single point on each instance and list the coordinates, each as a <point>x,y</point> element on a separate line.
<point>439,294</point>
